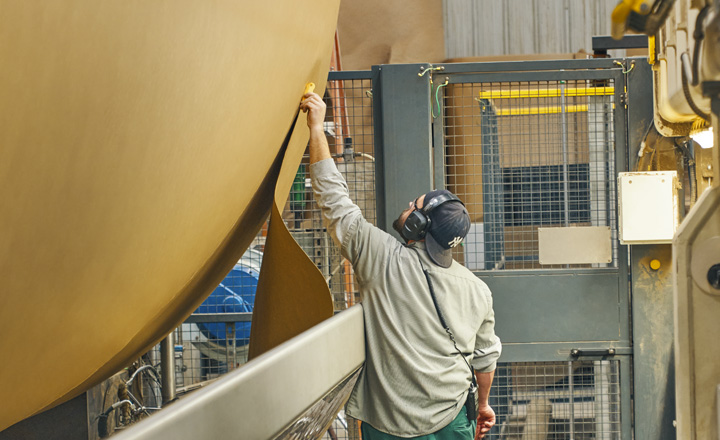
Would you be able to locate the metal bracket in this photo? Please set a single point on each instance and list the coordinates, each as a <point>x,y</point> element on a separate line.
<point>622,66</point>
<point>424,70</point>
<point>602,352</point>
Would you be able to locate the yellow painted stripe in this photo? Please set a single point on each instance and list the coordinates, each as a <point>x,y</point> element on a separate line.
<point>651,49</point>
<point>545,110</point>
<point>547,93</point>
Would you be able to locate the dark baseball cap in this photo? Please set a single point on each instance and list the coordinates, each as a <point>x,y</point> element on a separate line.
<point>449,224</point>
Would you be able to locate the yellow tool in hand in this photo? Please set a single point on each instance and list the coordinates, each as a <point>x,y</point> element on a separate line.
<point>309,88</point>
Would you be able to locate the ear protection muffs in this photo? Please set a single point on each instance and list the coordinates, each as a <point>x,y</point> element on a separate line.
<point>418,222</point>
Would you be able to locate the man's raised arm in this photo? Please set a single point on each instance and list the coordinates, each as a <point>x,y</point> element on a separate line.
<point>313,105</point>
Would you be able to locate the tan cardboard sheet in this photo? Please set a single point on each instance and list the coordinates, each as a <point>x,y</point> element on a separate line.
<point>390,32</point>
<point>141,143</point>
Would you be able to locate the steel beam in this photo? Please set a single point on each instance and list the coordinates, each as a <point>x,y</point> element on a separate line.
<point>565,75</point>
<point>652,318</point>
<point>403,140</point>
<point>167,363</point>
<point>524,66</point>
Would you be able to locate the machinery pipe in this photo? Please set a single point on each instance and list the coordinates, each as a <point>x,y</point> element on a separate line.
<point>167,369</point>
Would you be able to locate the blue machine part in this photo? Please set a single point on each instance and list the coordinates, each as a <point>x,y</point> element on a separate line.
<point>235,294</point>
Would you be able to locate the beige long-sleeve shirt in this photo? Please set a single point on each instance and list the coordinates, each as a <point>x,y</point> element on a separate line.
<point>414,381</point>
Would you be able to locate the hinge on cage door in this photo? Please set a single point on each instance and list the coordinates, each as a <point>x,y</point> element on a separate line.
<point>593,352</point>
<point>624,99</point>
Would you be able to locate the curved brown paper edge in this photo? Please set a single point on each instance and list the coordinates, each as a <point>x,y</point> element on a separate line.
<point>292,295</point>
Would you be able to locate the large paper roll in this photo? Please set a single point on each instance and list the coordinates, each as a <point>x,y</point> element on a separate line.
<point>141,143</point>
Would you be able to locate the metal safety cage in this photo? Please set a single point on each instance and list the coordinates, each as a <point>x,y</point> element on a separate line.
<point>533,149</point>
<point>579,400</point>
<point>529,151</point>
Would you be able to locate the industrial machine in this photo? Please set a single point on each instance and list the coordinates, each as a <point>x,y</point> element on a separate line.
<point>686,65</point>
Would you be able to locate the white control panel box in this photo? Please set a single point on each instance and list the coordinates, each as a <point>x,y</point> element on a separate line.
<point>648,207</point>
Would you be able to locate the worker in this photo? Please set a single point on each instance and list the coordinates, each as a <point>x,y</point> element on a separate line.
<point>415,383</point>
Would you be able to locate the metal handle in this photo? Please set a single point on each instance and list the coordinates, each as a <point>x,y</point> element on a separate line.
<point>577,352</point>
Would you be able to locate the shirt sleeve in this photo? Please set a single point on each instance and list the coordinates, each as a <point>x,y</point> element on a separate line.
<point>487,345</point>
<point>364,245</point>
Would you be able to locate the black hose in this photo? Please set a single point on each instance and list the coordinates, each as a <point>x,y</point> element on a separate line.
<point>691,70</point>
<point>692,183</point>
<point>698,36</point>
<point>687,147</point>
<point>692,176</point>
<point>686,88</point>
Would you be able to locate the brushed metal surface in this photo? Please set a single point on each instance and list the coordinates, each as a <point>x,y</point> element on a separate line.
<point>262,398</point>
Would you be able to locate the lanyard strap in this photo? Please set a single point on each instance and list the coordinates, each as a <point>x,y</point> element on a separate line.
<point>442,317</point>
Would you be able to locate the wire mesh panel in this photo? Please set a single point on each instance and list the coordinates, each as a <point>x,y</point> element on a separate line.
<point>206,350</point>
<point>524,155</point>
<point>577,400</point>
<point>203,355</point>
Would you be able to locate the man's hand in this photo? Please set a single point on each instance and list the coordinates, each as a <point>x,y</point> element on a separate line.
<point>313,105</point>
<point>485,421</point>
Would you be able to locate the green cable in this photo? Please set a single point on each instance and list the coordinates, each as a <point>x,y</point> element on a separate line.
<point>437,100</point>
